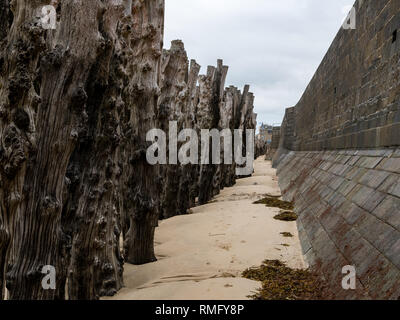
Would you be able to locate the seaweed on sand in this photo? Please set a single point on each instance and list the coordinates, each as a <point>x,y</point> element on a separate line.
<point>280,282</point>
<point>287,234</point>
<point>286,216</point>
<point>274,202</point>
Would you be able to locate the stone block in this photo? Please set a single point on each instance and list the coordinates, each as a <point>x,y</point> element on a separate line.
<point>353,160</point>
<point>353,214</point>
<point>368,162</point>
<point>346,187</point>
<point>390,164</point>
<point>373,201</point>
<point>390,184</point>
<point>355,173</point>
<point>380,234</point>
<point>395,189</point>
<point>363,258</point>
<point>393,254</point>
<point>374,178</point>
<point>362,195</point>
<point>396,154</point>
<point>389,211</point>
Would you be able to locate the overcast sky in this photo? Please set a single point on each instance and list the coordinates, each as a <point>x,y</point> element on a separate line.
<point>275,46</point>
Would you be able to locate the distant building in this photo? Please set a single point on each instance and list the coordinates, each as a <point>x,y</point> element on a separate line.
<point>266,133</point>
<point>268,139</point>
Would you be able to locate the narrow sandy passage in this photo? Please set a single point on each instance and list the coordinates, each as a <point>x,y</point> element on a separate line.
<point>202,255</point>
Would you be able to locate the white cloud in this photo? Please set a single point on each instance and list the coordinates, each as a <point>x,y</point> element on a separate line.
<point>275,46</point>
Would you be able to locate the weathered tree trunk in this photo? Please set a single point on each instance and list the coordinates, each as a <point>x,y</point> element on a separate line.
<point>5,17</point>
<point>173,98</point>
<point>177,97</point>
<point>211,94</point>
<point>192,172</point>
<point>185,197</point>
<point>82,98</point>
<point>76,104</point>
<point>249,121</point>
<point>227,122</point>
<point>244,118</point>
<point>141,197</point>
<point>44,104</point>
<point>91,214</point>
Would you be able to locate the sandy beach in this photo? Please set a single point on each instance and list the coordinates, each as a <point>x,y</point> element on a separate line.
<point>202,255</point>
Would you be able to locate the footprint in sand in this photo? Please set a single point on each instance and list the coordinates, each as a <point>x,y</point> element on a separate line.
<point>234,259</point>
<point>226,247</point>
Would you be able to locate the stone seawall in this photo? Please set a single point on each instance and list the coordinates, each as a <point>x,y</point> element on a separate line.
<point>353,100</point>
<point>348,204</point>
<point>273,147</point>
<point>286,137</point>
<point>338,158</point>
